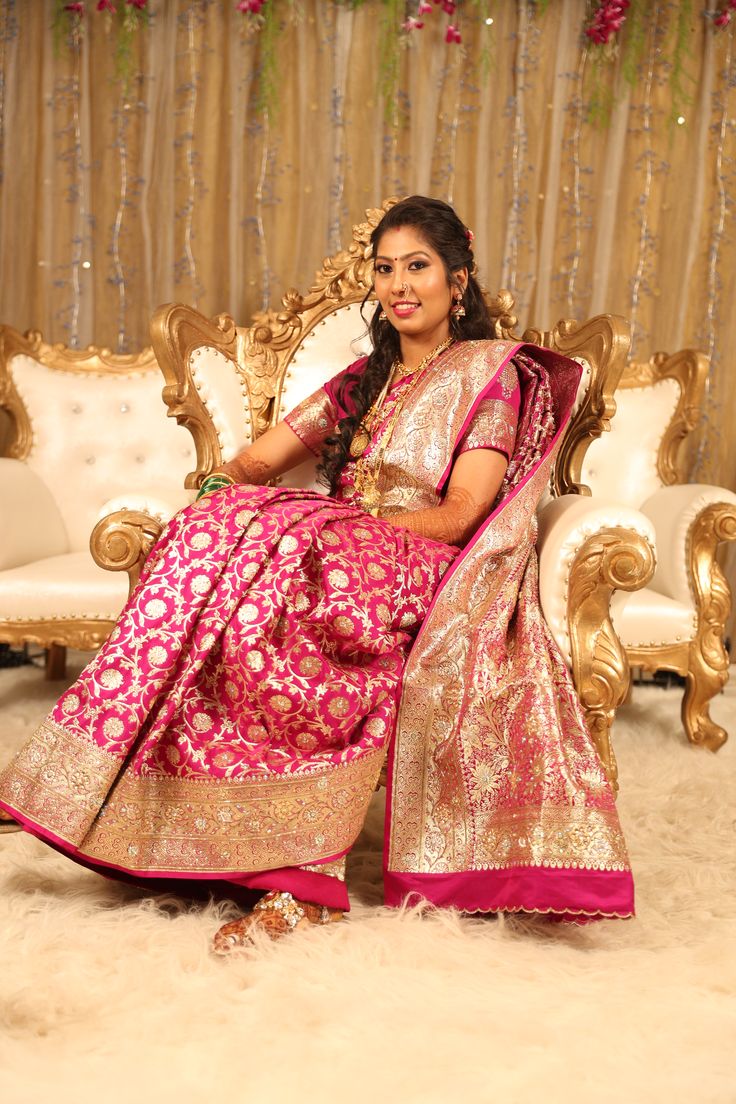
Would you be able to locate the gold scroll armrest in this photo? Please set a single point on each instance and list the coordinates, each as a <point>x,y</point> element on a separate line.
<point>122,540</point>
<point>708,660</point>
<point>611,559</point>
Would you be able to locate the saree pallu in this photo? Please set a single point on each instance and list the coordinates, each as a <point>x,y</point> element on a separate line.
<point>497,800</point>
<point>234,725</point>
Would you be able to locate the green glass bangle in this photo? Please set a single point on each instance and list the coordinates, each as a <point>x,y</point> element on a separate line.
<point>217,481</point>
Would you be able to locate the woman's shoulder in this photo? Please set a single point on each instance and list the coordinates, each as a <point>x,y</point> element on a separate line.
<point>491,346</point>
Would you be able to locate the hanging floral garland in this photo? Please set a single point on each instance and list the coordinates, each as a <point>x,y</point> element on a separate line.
<point>723,15</point>
<point>612,28</point>
<point>126,17</point>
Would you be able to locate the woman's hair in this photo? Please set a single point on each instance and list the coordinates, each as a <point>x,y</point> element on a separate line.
<point>441,228</point>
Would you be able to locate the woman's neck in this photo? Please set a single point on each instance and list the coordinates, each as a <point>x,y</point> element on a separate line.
<point>415,349</point>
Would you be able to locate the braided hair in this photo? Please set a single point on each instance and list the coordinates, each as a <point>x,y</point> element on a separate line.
<point>445,233</point>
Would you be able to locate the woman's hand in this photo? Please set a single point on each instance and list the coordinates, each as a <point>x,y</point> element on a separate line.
<point>276,451</point>
<point>475,481</point>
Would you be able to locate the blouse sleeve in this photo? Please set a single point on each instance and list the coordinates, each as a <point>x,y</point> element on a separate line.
<point>494,423</point>
<point>315,418</point>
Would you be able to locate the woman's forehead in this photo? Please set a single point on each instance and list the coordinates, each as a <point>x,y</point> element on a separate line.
<point>402,240</point>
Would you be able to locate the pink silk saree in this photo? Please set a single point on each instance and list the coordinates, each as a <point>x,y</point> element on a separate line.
<point>234,725</point>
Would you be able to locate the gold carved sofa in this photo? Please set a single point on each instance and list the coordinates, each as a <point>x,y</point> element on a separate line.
<point>677,622</point>
<point>228,384</point>
<point>86,436</point>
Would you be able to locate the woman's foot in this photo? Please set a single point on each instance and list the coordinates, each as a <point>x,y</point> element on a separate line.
<point>7,823</point>
<point>277,913</point>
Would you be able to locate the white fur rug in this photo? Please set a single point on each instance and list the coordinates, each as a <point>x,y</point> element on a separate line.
<point>109,995</point>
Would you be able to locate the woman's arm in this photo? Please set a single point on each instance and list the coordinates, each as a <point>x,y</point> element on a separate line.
<point>276,451</point>
<point>475,481</point>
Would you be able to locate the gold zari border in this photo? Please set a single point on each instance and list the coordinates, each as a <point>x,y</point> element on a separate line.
<point>177,825</point>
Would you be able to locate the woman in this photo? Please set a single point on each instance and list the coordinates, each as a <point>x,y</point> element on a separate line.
<point>280,642</point>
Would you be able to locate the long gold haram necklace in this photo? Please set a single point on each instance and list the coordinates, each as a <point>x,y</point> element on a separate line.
<point>367,474</point>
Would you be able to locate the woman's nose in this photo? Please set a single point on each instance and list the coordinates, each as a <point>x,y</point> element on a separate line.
<point>399,284</point>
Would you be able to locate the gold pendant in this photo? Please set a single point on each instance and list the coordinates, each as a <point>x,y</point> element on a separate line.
<point>370,499</point>
<point>359,443</point>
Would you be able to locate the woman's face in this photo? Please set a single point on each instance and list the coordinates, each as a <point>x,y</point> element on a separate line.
<point>411,285</point>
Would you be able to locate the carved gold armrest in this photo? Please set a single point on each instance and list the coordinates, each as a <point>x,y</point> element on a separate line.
<point>122,540</point>
<point>708,660</point>
<point>612,559</point>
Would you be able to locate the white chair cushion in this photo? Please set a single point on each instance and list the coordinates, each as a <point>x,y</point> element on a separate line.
<point>65,587</point>
<point>646,618</point>
<point>622,464</point>
<point>30,523</point>
<point>673,511</point>
<point>98,435</point>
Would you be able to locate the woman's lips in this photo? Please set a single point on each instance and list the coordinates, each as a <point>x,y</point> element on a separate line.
<point>404,310</point>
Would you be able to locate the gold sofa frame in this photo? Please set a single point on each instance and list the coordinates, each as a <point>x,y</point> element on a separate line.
<point>703,661</point>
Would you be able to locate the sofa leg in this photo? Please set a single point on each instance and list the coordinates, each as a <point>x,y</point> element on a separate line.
<point>703,683</point>
<point>55,661</point>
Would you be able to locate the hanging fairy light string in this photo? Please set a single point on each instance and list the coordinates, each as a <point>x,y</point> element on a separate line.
<point>458,70</point>
<point>186,267</point>
<point>77,192</point>
<point>340,37</point>
<point>260,227</point>
<point>190,155</point>
<point>576,202</point>
<point>646,241</point>
<point>8,31</point>
<point>121,141</point>
<point>704,459</point>
<point>518,144</point>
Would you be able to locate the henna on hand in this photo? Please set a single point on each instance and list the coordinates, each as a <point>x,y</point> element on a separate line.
<point>246,469</point>
<point>453,522</point>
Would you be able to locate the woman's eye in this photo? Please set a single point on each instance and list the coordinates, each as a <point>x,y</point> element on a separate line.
<point>418,264</point>
<point>383,269</point>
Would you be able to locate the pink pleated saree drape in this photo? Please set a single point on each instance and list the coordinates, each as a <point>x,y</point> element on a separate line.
<point>234,725</point>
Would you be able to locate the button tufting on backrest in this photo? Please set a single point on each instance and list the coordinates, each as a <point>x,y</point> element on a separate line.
<point>97,435</point>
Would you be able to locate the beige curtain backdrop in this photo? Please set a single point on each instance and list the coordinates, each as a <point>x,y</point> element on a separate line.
<point>182,187</point>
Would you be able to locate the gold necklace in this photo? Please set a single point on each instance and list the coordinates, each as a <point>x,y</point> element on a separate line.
<point>367,474</point>
<point>399,364</point>
<point>362,436</point>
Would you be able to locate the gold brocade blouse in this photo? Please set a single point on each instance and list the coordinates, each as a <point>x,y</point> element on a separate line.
<point>492,426</point>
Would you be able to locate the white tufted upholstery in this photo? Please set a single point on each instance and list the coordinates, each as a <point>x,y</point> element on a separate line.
<point>622,464</point>
<point>225,397</point>
<point>330,346</point>
<point>100,441</point>
<point>96,436</point>
<point>672,511</point>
